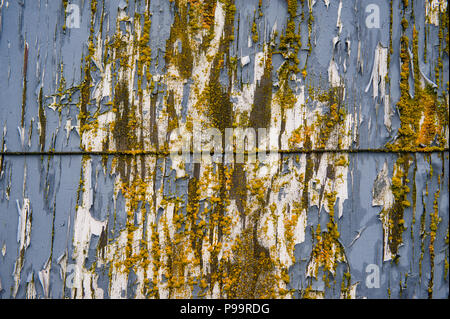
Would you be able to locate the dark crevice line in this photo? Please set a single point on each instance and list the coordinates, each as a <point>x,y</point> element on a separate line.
<point>163,153</point>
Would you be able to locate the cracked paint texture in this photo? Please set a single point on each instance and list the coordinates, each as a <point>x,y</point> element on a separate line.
<point>116,217</point>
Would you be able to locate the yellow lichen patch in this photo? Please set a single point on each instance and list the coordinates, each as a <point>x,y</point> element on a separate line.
<point>178,46</point>
<point>208,9</point>
<point>428,128</point>
<point>309,293</point>
<point>249,272</point>
<point>144,60</point>
<point>290,222</point>
<point>346,286</point>
<point>434,222</point>
<point>327,252</point>
<point>300,136</point>
<point>135,196</point>
<point>289,47</point>
<point>85,87</point>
